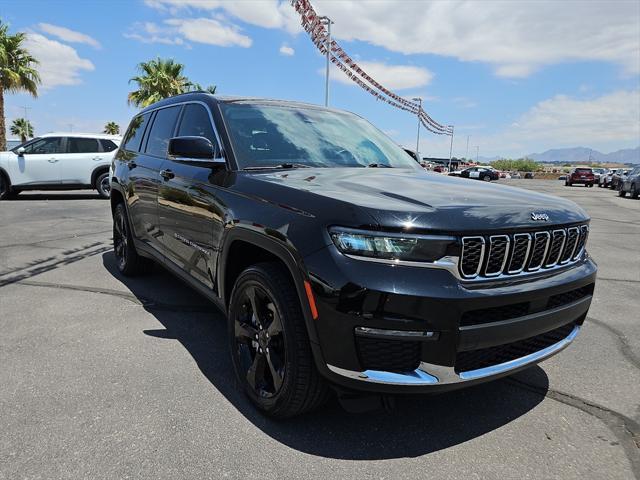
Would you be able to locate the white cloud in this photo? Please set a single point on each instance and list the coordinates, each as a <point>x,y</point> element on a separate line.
<point>68,35</point>
<point>394,77</point>
<point>263,13</point>
<point>603,122</point>
<point>287,50</point>
<point>516,37</point>
<point>210,31</point>
<point>149,32</point>
<point>60,64</point>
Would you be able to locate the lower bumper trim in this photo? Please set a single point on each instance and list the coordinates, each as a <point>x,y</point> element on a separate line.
<point>429,374</point>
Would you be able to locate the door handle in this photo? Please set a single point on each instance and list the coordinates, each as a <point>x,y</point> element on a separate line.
<point>167,174</point>
<point>52,160</point>
<point>97,158</point>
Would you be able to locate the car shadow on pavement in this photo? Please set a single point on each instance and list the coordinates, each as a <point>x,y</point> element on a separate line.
<point>420,424</point>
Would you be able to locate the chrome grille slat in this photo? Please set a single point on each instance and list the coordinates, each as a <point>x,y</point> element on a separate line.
<point>497,255</point>
<point>519,252</point>
<point>573,235</point>
<point>558,238</point>
<point>505,255</point>
<point>541,243</point>
<point>472,256</point>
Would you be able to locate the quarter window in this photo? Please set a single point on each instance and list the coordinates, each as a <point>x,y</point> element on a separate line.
<point>162,130</point>
<point>108,145</point>
<point>196,123</point>
<point>44,146</point>
<point>136,130</point>
<point>82,145</point>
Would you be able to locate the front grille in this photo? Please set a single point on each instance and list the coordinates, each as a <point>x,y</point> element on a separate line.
<point>487,357</point>
<point>570,297</point>
<point>388,355</point>
<point>494,314</point>
<point>512,254</point>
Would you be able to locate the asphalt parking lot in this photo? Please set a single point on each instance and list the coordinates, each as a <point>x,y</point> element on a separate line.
<point>107,377</point>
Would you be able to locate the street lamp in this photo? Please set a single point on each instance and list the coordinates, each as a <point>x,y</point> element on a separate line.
<point>419,100</point>
<point>327,21</point>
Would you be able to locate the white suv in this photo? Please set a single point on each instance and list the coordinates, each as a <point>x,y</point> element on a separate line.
<point>59,161</point>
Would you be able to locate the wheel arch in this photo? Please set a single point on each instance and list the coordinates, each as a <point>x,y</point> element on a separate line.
<point>243,248</point>
<point>97,172</point>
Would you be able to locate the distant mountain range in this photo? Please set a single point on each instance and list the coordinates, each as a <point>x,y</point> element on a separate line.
<point>580,155</point>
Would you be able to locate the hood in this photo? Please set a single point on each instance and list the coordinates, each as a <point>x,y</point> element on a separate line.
<point>399,198</point>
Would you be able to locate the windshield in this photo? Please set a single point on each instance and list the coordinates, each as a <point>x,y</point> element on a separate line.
<point>271,136</point>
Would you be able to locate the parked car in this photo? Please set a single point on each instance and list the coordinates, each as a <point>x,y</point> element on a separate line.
<point>480,173</point>
<point>516,175</point>
<point>618,175</point>
<point>562,177</point>
<point>440,169</point>
<point>58,161</point>
<point>597,173</point>
<point>630,183</point>
<point>529,175</point>
<point>456,173</point>
<point>298,231</point>
<point>580,176</point>
<point>605,178</point>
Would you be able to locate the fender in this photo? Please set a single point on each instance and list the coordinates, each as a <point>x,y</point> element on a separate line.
<point>6,175</point>
<point>97,171</point>
<point>287,255</point>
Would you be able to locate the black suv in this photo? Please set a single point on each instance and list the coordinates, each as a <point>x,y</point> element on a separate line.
<point>338,260</point>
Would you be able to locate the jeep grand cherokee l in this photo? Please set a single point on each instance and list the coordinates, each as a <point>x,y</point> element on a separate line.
<point>58,161</point>
<point>337,259</point>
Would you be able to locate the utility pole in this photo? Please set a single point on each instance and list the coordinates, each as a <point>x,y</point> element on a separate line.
<point>451,147</point>
<point>466,155</point>
<point>419,100</point>
<point>327,21</point>
<point>25,108</point>
<point>477,153</point>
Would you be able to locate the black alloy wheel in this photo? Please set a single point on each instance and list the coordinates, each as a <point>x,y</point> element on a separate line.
<point>270,348</point>
<point>260,341</point>
<point>127,259</point>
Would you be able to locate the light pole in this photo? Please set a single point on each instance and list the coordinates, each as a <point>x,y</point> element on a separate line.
<point>327,21</point>
<point>419,100</point>
<point>477,153</point>
<point>466,155</point>
<point>451,147</point>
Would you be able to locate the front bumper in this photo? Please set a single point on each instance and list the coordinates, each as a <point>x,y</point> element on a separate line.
<point>461,323</point>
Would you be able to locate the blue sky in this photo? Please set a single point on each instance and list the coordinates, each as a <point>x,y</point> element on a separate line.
<point>517,77</point>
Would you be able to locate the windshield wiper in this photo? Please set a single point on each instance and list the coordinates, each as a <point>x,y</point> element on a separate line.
<point>285,165</point>
<point>378,165</point>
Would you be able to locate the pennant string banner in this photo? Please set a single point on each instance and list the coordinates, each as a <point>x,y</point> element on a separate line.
<point>313,25</point>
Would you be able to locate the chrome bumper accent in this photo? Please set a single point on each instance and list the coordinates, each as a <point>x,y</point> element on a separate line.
<point>429,374</point>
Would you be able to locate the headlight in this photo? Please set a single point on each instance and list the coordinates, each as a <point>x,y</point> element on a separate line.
<point>393,246</point>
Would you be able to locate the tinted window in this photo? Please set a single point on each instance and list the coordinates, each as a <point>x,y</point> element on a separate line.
<point>108,145</point>
<point>44,146</point>
<point>583,170</point>
<point>162,131</point>
<point>196,122</point>
<point>82,145</point>
<point>136,130</point>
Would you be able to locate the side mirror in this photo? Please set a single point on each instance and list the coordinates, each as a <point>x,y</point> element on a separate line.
<point>20,151</point>
<point>191,148</point>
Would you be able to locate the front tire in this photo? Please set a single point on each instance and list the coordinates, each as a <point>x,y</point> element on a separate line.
<point>103,185</point>
<point>129,262</point>
<point>486,178</point>
<point>621,192</point>
<point>5,188</point>
<point>270,349</point>
<point>633,193</point>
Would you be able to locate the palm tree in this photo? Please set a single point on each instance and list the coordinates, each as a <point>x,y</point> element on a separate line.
<point>17,72</point>
<point>22,128</point>
<point>112,128</point>
<point>160,79</point>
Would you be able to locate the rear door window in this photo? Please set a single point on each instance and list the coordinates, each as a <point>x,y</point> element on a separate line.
<point>162,130</point>
<point>108,145</point>
<point>133,137</point>
<point>82,145</point>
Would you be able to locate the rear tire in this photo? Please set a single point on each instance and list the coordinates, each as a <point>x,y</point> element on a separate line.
<point>621,192</point>
<point>5,188</point>
<point>128,261</point>
<point>270,348</point>
<point>633,193</point>
<point>486,178</point>
<point>103,185</point>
